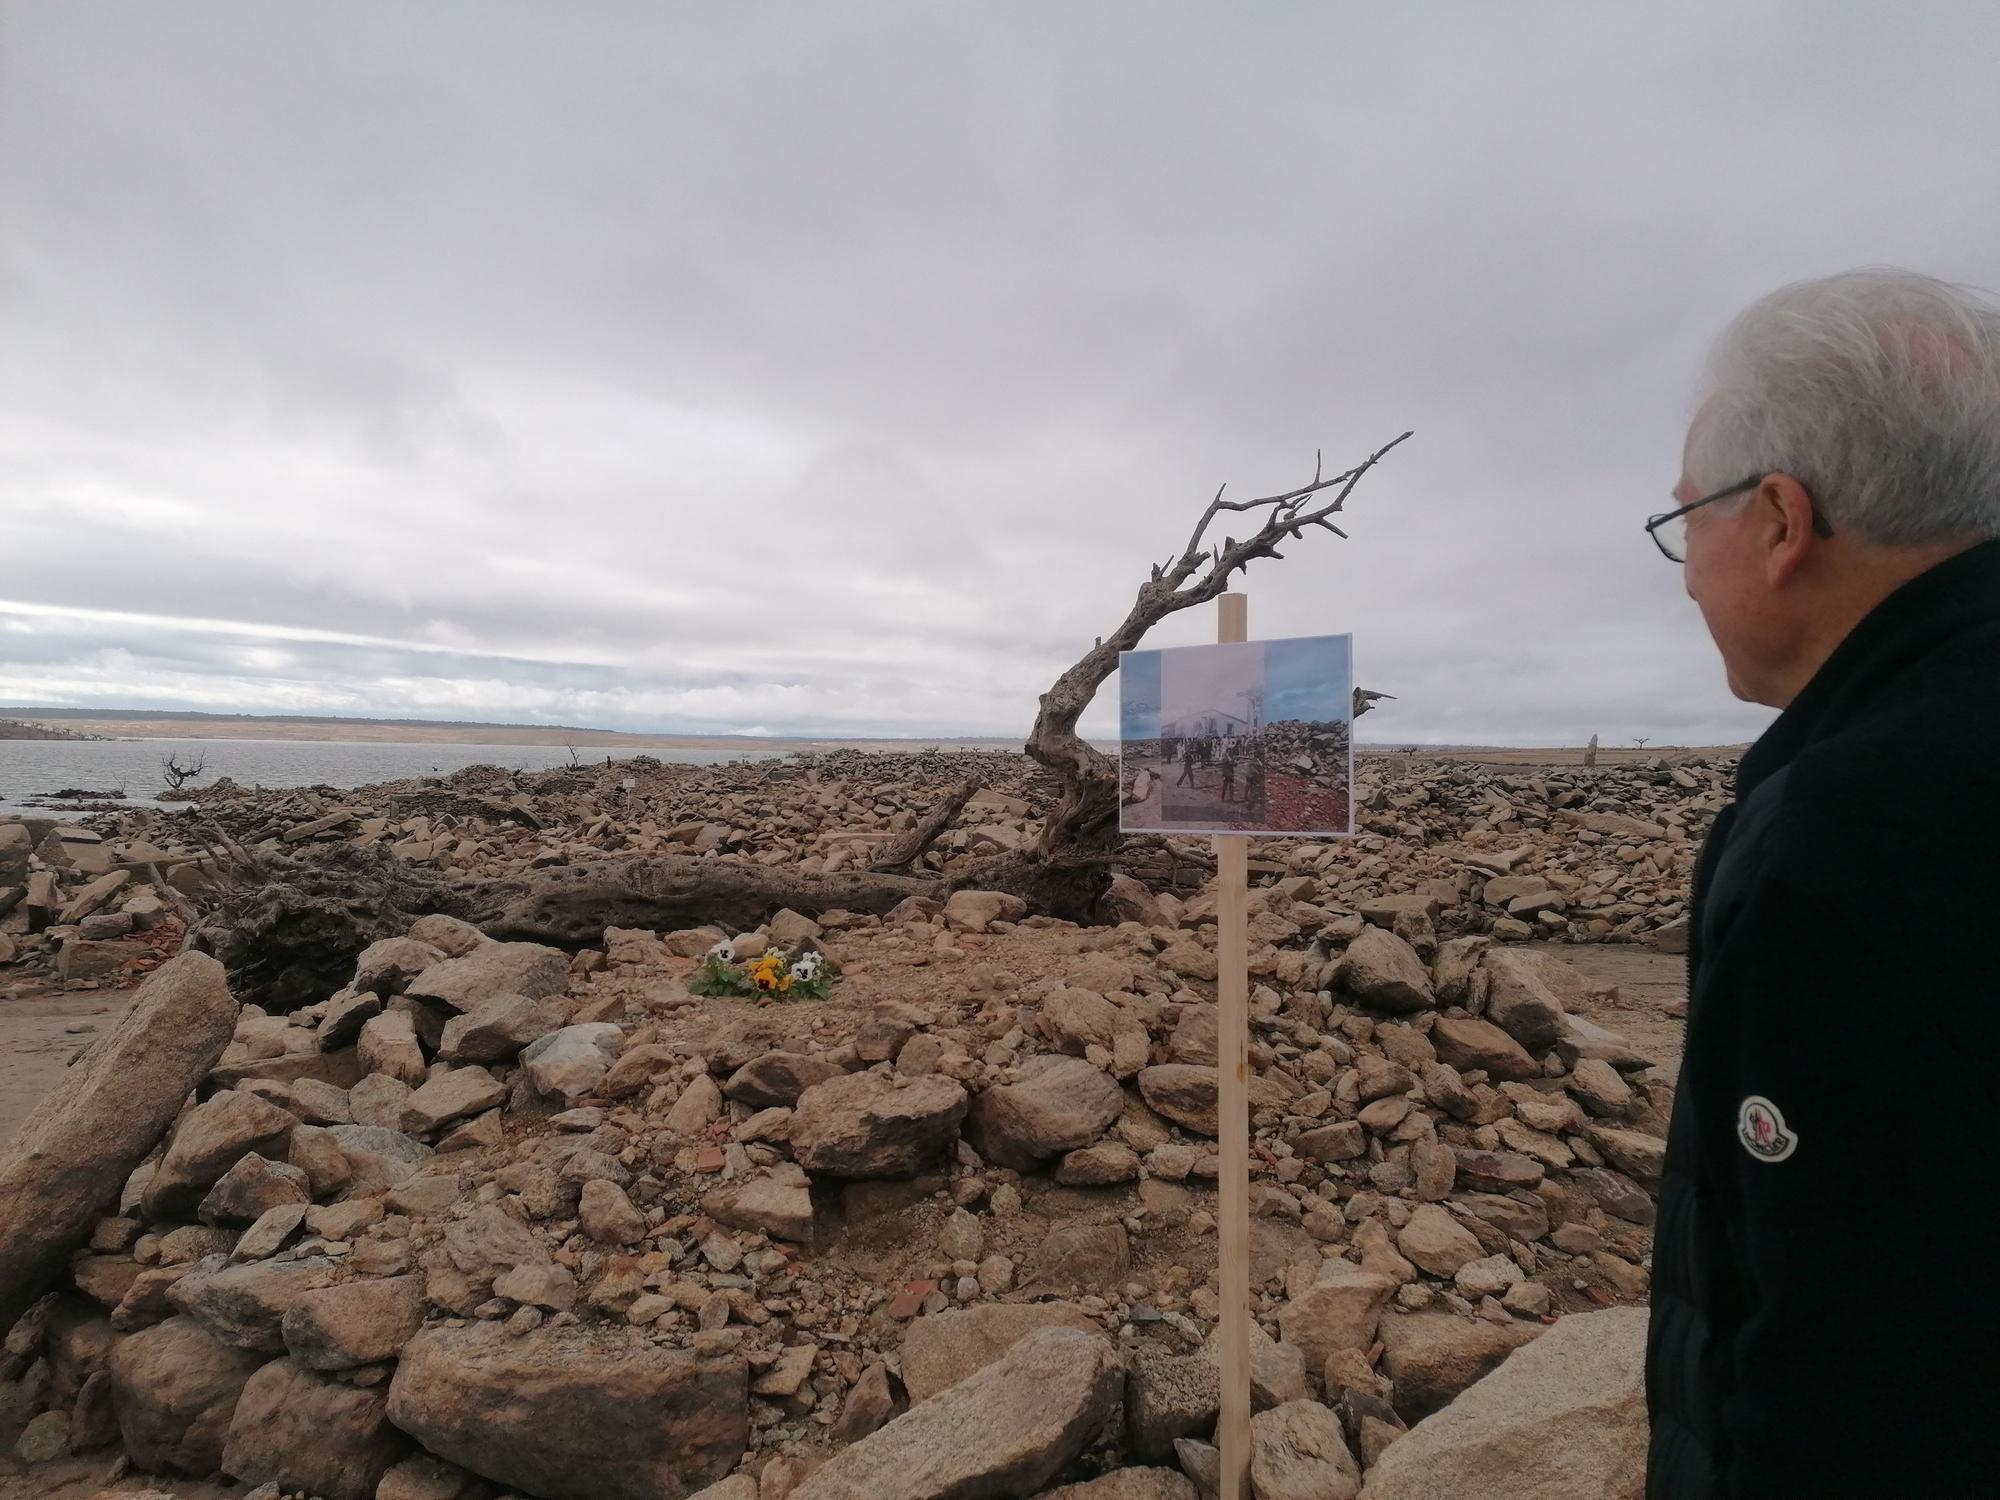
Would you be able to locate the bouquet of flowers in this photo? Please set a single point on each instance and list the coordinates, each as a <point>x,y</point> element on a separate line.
<point>807,977</point>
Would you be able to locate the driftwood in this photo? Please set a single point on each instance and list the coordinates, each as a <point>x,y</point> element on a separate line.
<point>907,848</point>
<point>572,904</point>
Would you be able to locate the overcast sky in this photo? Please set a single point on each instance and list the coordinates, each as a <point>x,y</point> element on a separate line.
<point>841,368</point>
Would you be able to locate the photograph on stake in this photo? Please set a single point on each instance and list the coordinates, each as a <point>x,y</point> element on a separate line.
<point>1250,737</point>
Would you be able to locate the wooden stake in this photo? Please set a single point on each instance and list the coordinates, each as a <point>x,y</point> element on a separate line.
<point>1232,961</point>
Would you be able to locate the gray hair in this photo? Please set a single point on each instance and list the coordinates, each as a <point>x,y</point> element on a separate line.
<point>1878,389</point>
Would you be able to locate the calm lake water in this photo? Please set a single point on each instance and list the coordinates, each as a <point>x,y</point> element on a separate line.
<point>31,769</point>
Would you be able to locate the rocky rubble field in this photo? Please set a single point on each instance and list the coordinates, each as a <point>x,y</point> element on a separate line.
<point>499,1218</point>
<point>1567,853</point>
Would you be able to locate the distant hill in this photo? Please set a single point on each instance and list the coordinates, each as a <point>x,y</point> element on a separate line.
<point>142,723</point>
<point>16,729</point>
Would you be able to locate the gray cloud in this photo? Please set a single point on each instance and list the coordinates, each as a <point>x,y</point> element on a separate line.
<point>841,369</point>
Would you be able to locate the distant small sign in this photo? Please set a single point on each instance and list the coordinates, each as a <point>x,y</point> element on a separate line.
<point>1251,737</point>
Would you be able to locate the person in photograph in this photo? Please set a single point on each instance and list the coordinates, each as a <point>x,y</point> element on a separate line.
<point>1229,771</point>
<point>1253,786</point>
<point>1188,765</point>
<point>1821,1327</point>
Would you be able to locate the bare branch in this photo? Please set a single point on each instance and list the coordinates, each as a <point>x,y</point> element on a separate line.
<point>907,848</point>
<point>178,775</point>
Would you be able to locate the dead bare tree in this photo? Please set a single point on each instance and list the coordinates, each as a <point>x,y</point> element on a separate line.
<point>179,775</point>
<point>1063,872</point>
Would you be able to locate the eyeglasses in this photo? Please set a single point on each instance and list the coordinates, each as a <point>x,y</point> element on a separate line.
<point>1669,529</point>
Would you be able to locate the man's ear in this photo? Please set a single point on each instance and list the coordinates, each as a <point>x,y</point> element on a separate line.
<point>1784,513</point>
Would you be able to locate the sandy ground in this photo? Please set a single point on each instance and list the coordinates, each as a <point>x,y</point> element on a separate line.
<point>85,1478</point>
<point>1648,984</point>
<point>40,1031</point>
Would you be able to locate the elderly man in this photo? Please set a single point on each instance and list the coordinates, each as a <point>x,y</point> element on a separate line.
<point>1826,1310</point>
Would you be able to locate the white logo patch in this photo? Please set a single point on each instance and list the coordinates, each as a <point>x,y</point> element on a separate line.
<point>1760,1126</point>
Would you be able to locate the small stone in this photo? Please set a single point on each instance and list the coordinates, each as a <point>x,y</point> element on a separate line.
<point>1489,1276</point>
<point>608,1216</point>
<point>44,1439</point>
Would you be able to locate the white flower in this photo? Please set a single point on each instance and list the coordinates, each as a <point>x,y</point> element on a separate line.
<point>720,951</point>
<point>807,967</point>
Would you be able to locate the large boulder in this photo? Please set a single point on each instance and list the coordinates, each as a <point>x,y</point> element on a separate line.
<point>376,1158</point>
<point>1382,970</point>
<point>778,1204</point>
<point>245,1305</point>
<point>944,1348</point>
<point>973,911</point>
<point>1060,1104</point>
<point>1437,1242</point>
<point>451,1094</point>
<point>1466,1042</point>
<point>496,1029</point>
<point>1172,1396</point>
<point>554,1412</point>
<point>388,1044</point>
<point>487,1243</point>
<point>1562,1419</point>
<point>343,1017</point>
<point>1432,1356</point>
<point>1340,1310</point>
<point>211,1139</point>
<point>1298,1452</point>
<point>1084,1020</point>
<point>1520,1001</point>
<point>493,969</point>
<point>304,1431</point>
<point>1005,1431</point>
<point>174,1388</point>
<point>570,1063</point>
<point>448,935</point>
<point>778,1078</point>
<point>867,1125</point>
<point>387,967</point>
<point>251,1189</point>
<point>67,1163</point>
<point>1187,1095</point>
<point>354,1323</point>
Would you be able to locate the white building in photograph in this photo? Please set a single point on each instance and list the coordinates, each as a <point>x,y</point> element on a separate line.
<point>1207,723</point>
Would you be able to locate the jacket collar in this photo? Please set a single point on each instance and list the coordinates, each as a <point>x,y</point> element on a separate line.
<point>1961,591</point>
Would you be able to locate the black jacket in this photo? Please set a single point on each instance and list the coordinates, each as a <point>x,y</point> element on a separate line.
<point>1826,1261</point>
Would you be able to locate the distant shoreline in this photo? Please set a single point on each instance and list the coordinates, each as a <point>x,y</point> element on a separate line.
<point>147,725</point>
<point>139,725</point>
